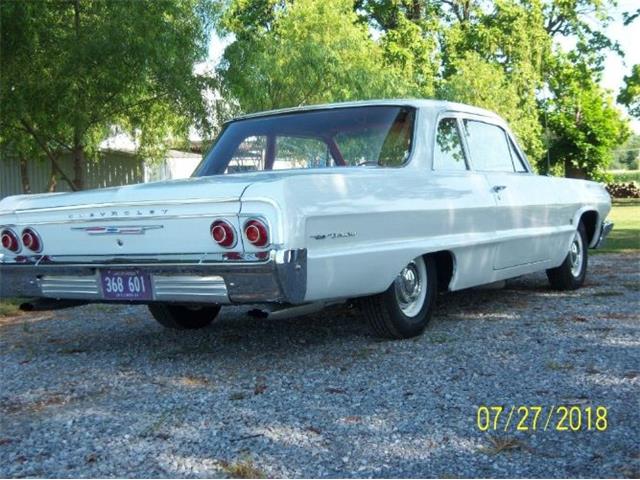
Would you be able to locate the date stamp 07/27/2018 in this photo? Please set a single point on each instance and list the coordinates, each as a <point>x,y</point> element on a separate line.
<point>532,418</point>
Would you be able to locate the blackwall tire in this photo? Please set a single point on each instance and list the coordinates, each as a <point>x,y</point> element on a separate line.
<point>402,311</point>
<point>180,317</point>
<point>573,271</point>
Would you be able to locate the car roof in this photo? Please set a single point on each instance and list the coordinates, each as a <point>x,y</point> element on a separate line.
<point>436,106</point>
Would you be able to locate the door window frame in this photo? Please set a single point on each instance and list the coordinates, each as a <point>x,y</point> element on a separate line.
<point>508,138</point>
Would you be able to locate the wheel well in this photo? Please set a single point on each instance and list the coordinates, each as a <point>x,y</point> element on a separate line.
<point>590,221</point>
<point>444,268</point>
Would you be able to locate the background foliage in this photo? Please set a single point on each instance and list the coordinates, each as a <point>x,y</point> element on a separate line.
<point>501,55</point>
<point>75,71</point>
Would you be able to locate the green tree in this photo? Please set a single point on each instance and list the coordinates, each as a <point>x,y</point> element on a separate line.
<point>409,37</point>
<point>73,70</point>
<point>628,155</point>
<point>498,55</point>
<point>484,84</point>
<point>495,59</point>
<point>584,122</point>
<point>296,53</point>
<point>630,93</point>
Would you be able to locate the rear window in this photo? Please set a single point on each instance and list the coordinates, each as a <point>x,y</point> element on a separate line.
<point>355,136</point>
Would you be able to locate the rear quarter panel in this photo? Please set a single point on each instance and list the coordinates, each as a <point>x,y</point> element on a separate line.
<point>362,225</point>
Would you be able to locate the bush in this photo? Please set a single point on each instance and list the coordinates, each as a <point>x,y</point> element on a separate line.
<point>623,190</point>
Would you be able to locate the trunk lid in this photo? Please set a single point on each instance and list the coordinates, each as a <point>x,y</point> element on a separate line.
<point>145,221</point>
<point>212,189</point>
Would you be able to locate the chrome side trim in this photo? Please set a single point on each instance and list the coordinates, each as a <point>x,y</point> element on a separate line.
<point>605,230</point>
<point>139,259</point>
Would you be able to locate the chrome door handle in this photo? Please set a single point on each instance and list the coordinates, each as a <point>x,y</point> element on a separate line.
<point>498,188</point>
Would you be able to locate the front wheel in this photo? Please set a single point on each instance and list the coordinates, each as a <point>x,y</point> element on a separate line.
<point>180,317</point>
<point>405,308</point>
<point>571,274</point>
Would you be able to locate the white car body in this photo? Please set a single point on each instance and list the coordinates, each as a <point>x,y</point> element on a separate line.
<point>335,233</point>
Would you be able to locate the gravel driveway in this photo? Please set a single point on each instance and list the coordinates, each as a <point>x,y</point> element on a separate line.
<point>104,391</point>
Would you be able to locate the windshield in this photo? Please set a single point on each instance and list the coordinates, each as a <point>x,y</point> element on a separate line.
<point>354,136</point>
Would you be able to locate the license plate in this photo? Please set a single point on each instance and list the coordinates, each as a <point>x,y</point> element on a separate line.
<point>125,285</point>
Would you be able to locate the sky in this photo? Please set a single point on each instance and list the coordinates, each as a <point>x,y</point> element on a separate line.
<point>616,67</point>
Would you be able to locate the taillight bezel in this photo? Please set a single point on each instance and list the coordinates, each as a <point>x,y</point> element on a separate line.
<point>231,235</point>
<point>35,236</point>
<point>262,226</point>
<point>9,233</point>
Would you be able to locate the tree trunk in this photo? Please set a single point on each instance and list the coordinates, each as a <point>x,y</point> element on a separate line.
<point>571,171</point>
<point>77,153</point>
<point>24,175</point>
<point>415,13</point>
<point>79,167</point>
<point>53,181</point>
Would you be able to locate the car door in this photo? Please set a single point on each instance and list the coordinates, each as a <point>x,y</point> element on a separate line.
<point>522,214</point>
<point>467,217</point>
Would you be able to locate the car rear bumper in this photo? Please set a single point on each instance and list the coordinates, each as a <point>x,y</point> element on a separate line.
<point>280,278</point>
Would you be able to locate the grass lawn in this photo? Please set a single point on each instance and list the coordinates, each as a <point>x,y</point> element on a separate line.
<point>625,236</point>
<point>10,306</point>
<point>624,176</point>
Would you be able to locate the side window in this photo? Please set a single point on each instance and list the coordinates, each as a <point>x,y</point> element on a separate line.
<point>249,156</point>
<point>448,153</point>
<point>488,147</point>
<point>518,163</point>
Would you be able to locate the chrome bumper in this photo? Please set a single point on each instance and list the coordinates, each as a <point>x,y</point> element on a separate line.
<point>605,229</point>
<point>281,278</point>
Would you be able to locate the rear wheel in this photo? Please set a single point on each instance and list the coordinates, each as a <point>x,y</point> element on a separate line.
<point>404,310</point>
<point>571,274</point>
<point>181,317</point>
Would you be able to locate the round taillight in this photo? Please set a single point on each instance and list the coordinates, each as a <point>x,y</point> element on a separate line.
<point>31,240</point>
<point>10,240</point>
<point>256,232</point>
<point>223,233</point>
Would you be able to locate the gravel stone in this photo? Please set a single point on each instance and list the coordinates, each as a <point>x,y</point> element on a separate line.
<point>104,391</point>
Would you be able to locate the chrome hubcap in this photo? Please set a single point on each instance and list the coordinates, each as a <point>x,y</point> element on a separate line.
<point>576,255</point>
<point>410,287</point>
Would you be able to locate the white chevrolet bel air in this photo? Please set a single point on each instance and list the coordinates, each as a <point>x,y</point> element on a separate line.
<point>382,202</point>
